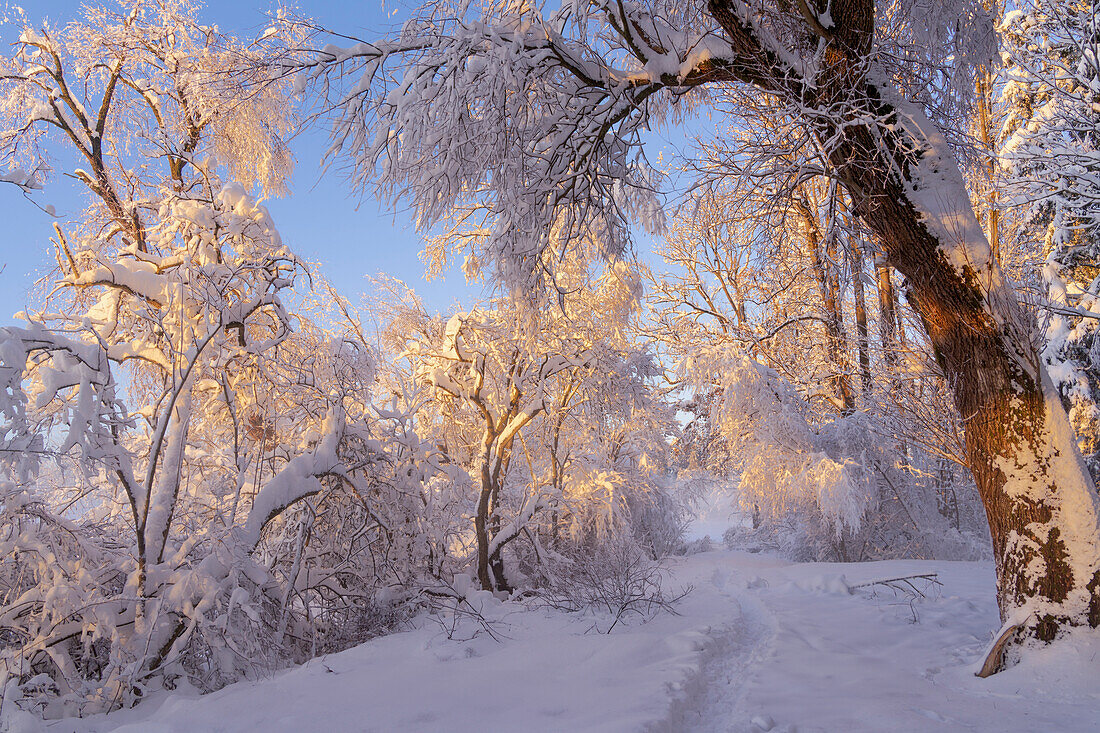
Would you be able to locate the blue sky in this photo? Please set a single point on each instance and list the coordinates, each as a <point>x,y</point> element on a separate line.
<point>321,219</point>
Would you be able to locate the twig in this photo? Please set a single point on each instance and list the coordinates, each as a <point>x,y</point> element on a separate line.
<point>932,579</point>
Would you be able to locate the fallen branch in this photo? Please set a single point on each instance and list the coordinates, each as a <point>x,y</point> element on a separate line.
<point>892,583</point>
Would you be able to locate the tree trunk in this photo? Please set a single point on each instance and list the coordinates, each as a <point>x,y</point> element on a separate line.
<point>889,330</point>
<point>887,316</point>
<point>855,266</point>
<point>498,475</point>
<point>481,520</point>
<point>835,337</point>
<point>1042,506</point>
<point>496,568</point>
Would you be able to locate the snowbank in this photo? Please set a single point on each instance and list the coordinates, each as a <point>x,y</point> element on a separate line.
<point>761,644</point>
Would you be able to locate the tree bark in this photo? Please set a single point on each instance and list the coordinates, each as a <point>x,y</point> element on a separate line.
<point>481,516</point>
<point>855,266</point>
<point>1043,511</point>
<point>835,339</point>
<point>887,316</point>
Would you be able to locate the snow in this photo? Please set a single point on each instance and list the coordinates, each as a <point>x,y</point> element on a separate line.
<point>937,190</point>
<point>545,672</point>
<point>714,514</point>
<point>812,657</point>
<point>296,480</point>
<point>760,644</point>
<point>141,278</point>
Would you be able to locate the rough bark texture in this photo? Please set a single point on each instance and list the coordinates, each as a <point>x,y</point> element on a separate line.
<point>1039,499</point>
<point>490,565</point>
<point>481,519</point>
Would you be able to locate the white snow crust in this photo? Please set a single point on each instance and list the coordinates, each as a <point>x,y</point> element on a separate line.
<point>760,644</point>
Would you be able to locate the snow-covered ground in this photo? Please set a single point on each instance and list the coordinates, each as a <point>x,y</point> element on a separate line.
<point>760,644</point>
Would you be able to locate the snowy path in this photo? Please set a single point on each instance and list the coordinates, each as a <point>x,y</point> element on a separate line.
<point>716,698</point>
<point>760,644</point>
<point>808,655</point>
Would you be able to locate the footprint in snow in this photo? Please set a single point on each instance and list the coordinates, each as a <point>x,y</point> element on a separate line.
<point>931,715</point>
<point>766,724</point>
<point>719,578</point>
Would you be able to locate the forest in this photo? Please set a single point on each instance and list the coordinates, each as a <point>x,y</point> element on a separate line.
<point>854,316</point>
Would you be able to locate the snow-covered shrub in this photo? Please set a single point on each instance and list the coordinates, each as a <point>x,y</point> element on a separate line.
<point>660,517</point>
<point>76,641</point>
<point>354,559</point>
<point>615,580</point>
<point>835,489</point>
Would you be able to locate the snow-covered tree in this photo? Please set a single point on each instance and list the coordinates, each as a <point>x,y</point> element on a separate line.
<point>1050,145</point>
<point>481,363</point>
<point>531,121</point>
<point>555,418</point>
<point>159,364</point>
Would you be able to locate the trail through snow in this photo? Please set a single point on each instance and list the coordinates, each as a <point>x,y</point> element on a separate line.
<point>759,645</point>
<point>809,654</point>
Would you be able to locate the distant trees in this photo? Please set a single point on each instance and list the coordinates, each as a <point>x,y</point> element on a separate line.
<point>552,416</point>
<point>822,382</point>
<point>530,124</point>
